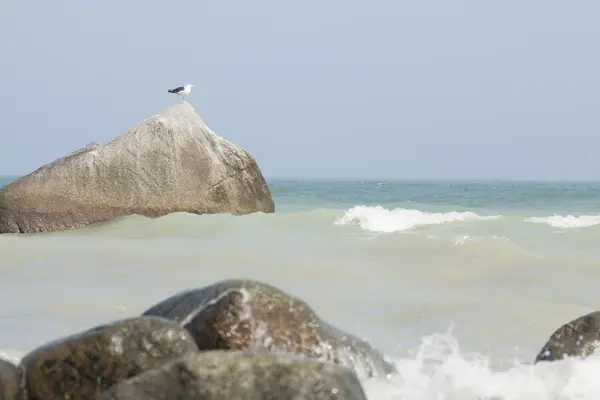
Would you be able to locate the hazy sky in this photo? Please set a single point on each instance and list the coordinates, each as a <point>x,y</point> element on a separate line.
<point>313,88</point>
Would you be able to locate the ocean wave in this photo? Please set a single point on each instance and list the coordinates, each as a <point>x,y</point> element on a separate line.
<point>439,370</point>
<point>379,219</point>
<point>462,226</point>
<point>569,221</point>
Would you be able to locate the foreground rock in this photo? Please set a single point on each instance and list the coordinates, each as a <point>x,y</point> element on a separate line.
<point>580,337</point>
<point>170,162</point>
<point>220,375</point>
<point>83,366</point>
<point>8,381</point>
<point>250,315</point>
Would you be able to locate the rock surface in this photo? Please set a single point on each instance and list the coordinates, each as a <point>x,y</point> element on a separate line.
<point>8,381</point>
<point>579,337</point>
<point>83,366</point>
<point>250,315</point>
<point>170,162</point>
<point>218,375</point>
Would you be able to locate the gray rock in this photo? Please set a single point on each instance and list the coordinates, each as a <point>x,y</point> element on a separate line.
<point>580,337</point>
<point>229,375</point>
<point>170,162</point>
<point>250,315</point>
<point>83,366</point>
<point>9,389</point>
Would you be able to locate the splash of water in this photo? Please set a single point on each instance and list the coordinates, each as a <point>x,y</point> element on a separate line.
<point>439,371</point>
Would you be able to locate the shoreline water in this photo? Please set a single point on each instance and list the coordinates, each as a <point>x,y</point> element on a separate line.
<point>395,264</point>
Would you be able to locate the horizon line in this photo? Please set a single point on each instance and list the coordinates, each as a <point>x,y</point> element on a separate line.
<point>392,179</point>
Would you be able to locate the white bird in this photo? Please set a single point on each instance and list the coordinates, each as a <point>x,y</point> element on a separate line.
<point>182,90</point>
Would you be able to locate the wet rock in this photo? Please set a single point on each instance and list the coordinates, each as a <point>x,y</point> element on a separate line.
<point>84,365</point>
<point>8,381</point>
<point>220,375</point>
<point>579,337</point>
<point>250,315</point>
<point>170,162</point>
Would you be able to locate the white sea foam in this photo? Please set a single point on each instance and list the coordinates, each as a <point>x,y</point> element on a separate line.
<point>465,239</point>
<point>440,371</point>
<point>379,219</point>
<point>569,221</point>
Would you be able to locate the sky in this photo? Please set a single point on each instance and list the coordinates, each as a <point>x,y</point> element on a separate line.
<point>323,89</point>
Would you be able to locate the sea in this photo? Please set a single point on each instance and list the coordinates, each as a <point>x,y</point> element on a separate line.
<point>460,282</point>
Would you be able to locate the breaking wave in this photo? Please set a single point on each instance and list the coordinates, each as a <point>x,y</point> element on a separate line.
<point>439,370</point>
<point>379,219</point>
<point>569,221</point>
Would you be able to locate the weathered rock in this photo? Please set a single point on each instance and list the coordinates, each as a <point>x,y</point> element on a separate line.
<point>250,315</point>
<point>219,375</point>
<point>9,389</point>
<point>83,366</point>
<point>170,162</point>
<point>579,337</point>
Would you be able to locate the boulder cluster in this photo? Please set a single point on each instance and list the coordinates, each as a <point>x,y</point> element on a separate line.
<point>232,339</point>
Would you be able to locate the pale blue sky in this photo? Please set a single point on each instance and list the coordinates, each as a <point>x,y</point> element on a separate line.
<point>338,88</point>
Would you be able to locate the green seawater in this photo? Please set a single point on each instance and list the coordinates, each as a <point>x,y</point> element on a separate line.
<point>518,198</point>
<point>488,197</point>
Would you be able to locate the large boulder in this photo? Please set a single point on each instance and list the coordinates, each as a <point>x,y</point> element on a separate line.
<point>250,315</point>
<point>85,365</point>
<point>170,162</point>
<point>9,378</point>
<point>218,375</point>
<point>579,337</point>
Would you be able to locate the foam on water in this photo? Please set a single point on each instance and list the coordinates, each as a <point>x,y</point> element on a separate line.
<point>379,219</point>
<point>440,371</point>
<point>569,221</point>
<point>467,239</point>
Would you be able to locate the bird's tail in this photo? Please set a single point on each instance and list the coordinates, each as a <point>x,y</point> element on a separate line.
<point>171,90</point>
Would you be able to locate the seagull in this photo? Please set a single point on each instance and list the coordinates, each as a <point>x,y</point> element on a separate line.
<point>182,90</point>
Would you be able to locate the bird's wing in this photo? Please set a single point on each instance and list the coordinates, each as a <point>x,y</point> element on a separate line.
<point>176,90</point>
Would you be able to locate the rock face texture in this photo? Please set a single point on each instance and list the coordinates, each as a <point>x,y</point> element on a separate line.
<point>170,162</point>
<point>580,337</point>
<point>250,315</point>
<point>9,378</point>
<point>217,375</point>
<point>85,365</point>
